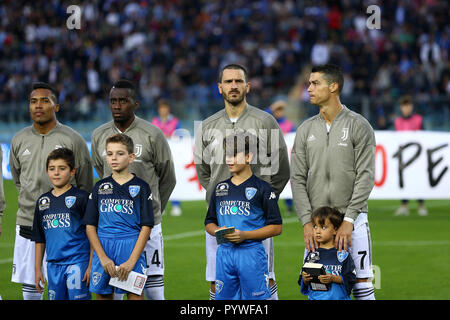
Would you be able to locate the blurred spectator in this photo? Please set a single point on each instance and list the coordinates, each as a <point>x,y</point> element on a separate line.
<point>168,123</point>
<point>165,120</point>
<point>278,39</point>
<point>320,53</point>
<point>277,109</point>
<point>409,121</point>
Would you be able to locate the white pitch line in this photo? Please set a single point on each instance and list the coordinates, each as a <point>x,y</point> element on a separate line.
<point>6,260</point>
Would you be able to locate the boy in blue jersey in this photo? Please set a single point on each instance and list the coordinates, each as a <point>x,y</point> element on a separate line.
<point>340,270</point>
<point>119,218</point>
<point>248,204</point>
<point>58,229</point>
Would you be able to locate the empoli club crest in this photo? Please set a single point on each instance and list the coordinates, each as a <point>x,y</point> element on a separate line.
<point>134,190</point>
<point>250,192</point>
<point>70,201</point>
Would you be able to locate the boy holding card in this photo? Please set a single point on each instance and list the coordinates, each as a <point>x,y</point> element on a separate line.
<point>58,229</point>
<point>340,275</point>
<point>119,218</point>
<point>246,206</point>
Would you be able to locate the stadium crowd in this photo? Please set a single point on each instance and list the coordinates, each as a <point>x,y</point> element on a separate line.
<point>174,48</point>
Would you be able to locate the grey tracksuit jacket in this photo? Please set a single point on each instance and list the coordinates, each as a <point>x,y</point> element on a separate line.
<point>272,166</point>
<point>333,169</point>
<point>27,160</point>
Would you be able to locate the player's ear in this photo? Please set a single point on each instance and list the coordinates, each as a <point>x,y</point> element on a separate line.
<point>73,171</point>
<point>248,157</point>
<point>334,87</point>
<point>219,86</point>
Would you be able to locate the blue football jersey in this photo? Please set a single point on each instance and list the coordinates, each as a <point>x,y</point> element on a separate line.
<point>248,206</point>
<point>120,210</point>
<point>58,222</point>
<point>336,263</point>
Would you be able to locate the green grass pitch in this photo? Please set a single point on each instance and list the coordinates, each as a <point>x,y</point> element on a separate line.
<point>411,254</point>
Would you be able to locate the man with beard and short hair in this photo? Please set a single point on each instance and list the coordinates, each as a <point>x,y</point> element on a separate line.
<point>271,164</point>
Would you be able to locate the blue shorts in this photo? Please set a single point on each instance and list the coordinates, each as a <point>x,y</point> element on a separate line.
<point>119,251</point>
<point>65,281</point>
<point>242,272</point>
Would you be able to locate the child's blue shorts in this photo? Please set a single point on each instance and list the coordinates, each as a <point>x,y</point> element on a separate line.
<point>242,272</point>
<point>65,281</point>
<point>119,251</point>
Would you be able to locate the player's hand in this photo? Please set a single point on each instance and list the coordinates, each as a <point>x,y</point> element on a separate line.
<point>236,237</point>
<point>109,266</point>
<point>306,277</point>
<point>87,276</point>
<point>326,278</point>
<point>343,238</point>
<point>308,236</point>
<point>39,281</point>
<point>124,270</point>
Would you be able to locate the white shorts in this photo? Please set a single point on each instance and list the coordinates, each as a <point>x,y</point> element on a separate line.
<point>211,250</point>
<point>154,252</point>
<point>23,260</point>
<point>361,248</point>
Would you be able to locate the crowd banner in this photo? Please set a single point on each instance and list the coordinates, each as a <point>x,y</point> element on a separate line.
<point>408,165</point>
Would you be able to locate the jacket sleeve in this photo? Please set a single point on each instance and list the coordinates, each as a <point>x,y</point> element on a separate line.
<point>279,158</point>
<point>14,165</point>
<point>299,176</point>
<point>364,149</point>
<point>164,168</point>
<point>97,160</point>
<point>84,175</point>
<point>201,159</point>
<point>2,193</point>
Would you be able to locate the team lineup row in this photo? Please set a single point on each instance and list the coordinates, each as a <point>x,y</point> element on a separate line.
<point>332,164</point>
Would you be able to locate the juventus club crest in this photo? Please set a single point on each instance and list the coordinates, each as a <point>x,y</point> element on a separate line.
<point>344,134</point>
<point>134,190</point>
<point>138,150</point>
<point>250,193</point>
<point>70,201</point>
